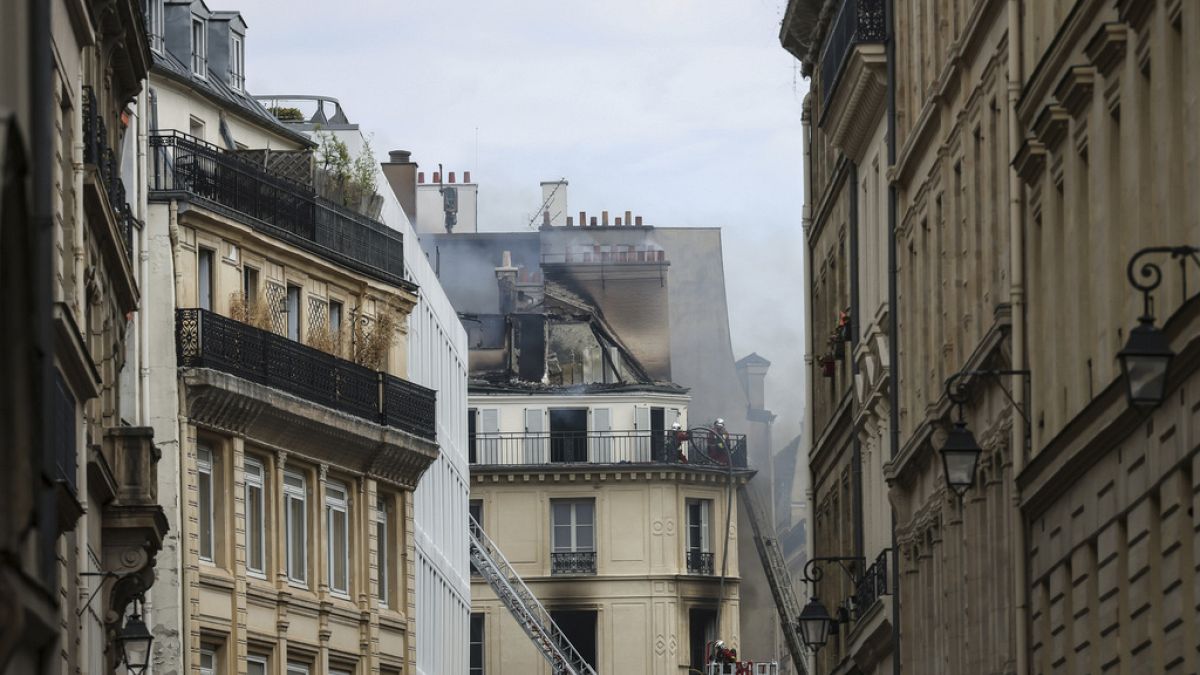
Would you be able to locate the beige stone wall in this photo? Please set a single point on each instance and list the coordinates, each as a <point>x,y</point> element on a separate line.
<point>642,589</point>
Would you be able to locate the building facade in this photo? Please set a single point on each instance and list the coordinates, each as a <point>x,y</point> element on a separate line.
<point>1014,131</point>
<point>81,519</point>
<point>281,358</point>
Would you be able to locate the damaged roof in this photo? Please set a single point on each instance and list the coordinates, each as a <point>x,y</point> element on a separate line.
<point>483,385</point>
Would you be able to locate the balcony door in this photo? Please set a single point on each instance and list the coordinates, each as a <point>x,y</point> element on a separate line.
<point>568,435</point>
<point>536,440</point>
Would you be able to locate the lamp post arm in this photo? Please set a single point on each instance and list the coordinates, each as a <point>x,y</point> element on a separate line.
<point>1147,276</point>
<point>813,574</point>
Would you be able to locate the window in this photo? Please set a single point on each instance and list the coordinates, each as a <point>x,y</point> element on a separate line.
<point>476,645</point>
<point>256,536</point>
<point>699,549</point>
<point>297,669</point>
<point>472,445</point>
<point>295,509</point>
<point>196,127</point>
<point>250,287</point>
<point>475,508</point>
<point>208,660</point>
<point>256,665</point>
<point>204,281</point>
<point>341,671</point>
<point>335,322</point>
<point>573,521</point>
<point>293,312</point>
<point>237,63</point>
<point>199,48</point>
<point>337,502</point>
<point>204,483</point>
<point>579,627</point>
<point>702,629</point>
<point>384,543</point>
<point>154,24</point>
<point>568,434</point>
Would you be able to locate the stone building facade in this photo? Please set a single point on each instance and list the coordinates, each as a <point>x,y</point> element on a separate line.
<point>280,355</point>
<point>81,523</point>
<point>1034,148</point>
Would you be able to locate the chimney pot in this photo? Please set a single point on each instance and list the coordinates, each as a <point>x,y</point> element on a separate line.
<point>466,176</point>
<point>400,156</point>
<point>420,176</point>
<point>451,177</point>
<point>570,221</point>
<point>437,177</point>
<point>545,219</point>
<point>618,221</point>
<point>593,221</point>
<point>629,218</point>
<point>638,220</point>
<point>604,218</point>
<point>583,218</point>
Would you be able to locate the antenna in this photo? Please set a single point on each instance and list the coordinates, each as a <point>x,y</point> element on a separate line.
<point>546,202</point>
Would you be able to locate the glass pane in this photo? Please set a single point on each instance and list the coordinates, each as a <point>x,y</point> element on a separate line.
<point>583,538</point>
<point>562,537</point>
<point>561,513</point>
<point>256,668</point>
<point>293,480</point>
<point>296,543</point>
<point>206,515</point>
<point>383,544</point>
<point>254,528</point>
<point>584,513</point>
<point>205,273</point>
<point>339,548</point>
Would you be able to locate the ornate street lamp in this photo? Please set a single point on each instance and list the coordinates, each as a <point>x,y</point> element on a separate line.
<point>134,642</point>
<point>1147,355</point>
<point>814,623</point>
<point>960,457</point>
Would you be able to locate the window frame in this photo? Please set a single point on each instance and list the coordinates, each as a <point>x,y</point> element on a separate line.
<point>155,25</point>
<point>704,526</point>
<point>237,62</point>
<point>206,518</point>
<point>297,668</point>
<point>573,525</point>
<point>293,493</point>
<point>206,292</point>
<point>211,651</point>
<point>383,539</point>
<point>259,482</point>
<point>477,619</point>
<point>199,65</point>
<point>333,506</point>
<point>293,314</point>
<point>258,660</point>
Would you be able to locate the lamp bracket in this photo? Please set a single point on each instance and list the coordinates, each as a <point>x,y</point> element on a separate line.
<point>957,394</point>
<point>853,566</point>
<point>1148,276</point>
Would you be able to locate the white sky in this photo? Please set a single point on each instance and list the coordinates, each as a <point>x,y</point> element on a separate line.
<point>686,112</point>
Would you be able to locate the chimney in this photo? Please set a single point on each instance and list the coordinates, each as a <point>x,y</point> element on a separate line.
<point>402,176</point>
<point>593,221</point>
<point>545,219</point>
<point>638,220</point>
<point>629,218</point>
<point>437,177</point>
<point>506,281</point>
<point>604,218</point>
<point>583,218</point>
<point>451,177</point>
<point>570,221</point>
<point>554,200</point>
<point>466,176</point>
<point>618,221</point>
<point>752,371</point>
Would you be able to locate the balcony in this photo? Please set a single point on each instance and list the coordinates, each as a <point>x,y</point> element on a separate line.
<point>872,584</point>
<point>573,563</point>
<point>208,340</point>
<point>604,447</point>
<point>107,202</point>
<point>188,167</point>
<point>857,22</point>
<point>699,562</point>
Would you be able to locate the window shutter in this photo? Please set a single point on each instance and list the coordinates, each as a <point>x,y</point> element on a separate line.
<point>641,422</point>
<point>487,442</point>
<point>536,443</point>
<point>602,442</point>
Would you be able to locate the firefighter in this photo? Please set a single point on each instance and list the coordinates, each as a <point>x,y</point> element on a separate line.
<point>679,438</point>
<point>718,443</point>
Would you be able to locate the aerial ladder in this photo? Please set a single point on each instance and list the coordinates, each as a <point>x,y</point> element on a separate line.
<point>533,618</point>
<point>778,577</point>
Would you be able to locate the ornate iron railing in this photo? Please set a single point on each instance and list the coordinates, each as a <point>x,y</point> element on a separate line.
<point>205,339</point>
<point>603,447</point>
<point>699,562</point>
<point>97,152</point>
<point>274,205</point>
<point>858,21</point>
<point>872,584</point>
<point>573,562</point>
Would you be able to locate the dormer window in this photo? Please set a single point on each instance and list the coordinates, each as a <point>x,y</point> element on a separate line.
<point>237,63</point>
<point>154,24</point>
<point>199,48</point>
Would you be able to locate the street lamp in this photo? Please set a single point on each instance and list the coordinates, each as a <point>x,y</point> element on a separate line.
<point>814,622</point>
<point>134,642</point>
<point>960,457</point>
<point>1147,355</point>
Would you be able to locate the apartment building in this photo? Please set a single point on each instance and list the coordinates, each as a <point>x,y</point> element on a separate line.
<point>1023,168</point>
<point>281,354</point>
<point>80,523</point>
<point>584,476</point>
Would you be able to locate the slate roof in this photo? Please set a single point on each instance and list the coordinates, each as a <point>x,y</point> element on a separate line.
<point>218,91</point>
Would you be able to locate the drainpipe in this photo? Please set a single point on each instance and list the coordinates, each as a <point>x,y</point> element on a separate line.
<point>1020,360</point>
<point>807,430</point>
<point>893,318</point>
<point>78,254</point>
<point>143,209</point>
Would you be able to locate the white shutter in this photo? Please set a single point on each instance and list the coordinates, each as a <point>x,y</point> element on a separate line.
<point>488,439</point>
<point>641,422</point>
<point>536,444</point>
<point>602,442</point>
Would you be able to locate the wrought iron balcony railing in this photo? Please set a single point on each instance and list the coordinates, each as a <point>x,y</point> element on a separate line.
<point>274,205</point>
<point>208,340</point>
<point>872,584</point>
<point>699,562</point>
<point>604,447</point>
<point>573,562</point>
<point>97,152</point>
<point>858,21</point>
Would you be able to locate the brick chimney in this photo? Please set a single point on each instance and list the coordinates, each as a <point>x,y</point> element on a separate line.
<point>506,281</point>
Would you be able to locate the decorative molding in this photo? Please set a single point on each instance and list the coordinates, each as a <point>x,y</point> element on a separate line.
<point>1106,49</point>
<point>1074,90</point>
